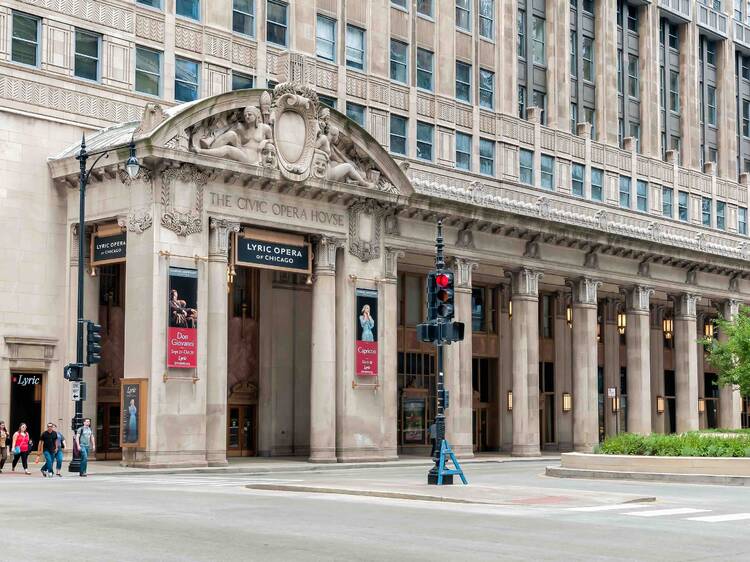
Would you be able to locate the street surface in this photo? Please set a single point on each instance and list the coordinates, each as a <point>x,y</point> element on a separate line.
<point>180,517</point>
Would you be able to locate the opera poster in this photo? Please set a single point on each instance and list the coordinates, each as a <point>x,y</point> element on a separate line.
<point>182,333</point>
<point>132,410</point>
<point>414,410</point>
<point>367,332</point>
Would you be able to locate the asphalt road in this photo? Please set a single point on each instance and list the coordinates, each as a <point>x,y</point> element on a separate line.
<point>215,517</point>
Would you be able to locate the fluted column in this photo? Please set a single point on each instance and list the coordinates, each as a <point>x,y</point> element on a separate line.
<point>323,350</point>
<point>216,376</point>
<point>657,367</point>
<point>637,336</point>
<point>730,402</point>
<point>611,362</point>
<point>686,362</point>
<point>605,59</point>
<point>585,383</point>
<point>389,350</point>
<point>525,328</point>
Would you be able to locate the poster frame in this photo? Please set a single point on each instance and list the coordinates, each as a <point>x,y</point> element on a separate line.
<point>142,420</point>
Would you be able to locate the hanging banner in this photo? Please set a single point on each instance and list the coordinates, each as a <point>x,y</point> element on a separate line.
<point>273,250</point>
<point>108,245</point>
<point>133,407</point>
<point>367,332</point>
<point>182,336</point>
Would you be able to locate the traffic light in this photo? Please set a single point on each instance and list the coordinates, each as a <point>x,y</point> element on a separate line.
<point>93,345</point>
<point>72,372</point>
<point>444,295</point>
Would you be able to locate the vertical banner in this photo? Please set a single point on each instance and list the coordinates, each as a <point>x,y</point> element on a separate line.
<point>367,332</point>
<point>182,336</point>
<point>133,404</point>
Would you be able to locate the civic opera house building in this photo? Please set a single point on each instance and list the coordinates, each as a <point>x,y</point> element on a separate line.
<point>259,280</point>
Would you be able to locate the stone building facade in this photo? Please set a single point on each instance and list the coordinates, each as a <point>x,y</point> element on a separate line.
<point>593,241</point>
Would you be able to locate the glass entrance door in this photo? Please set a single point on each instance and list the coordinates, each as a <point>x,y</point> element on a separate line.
<point>241,428</point>
<point>108,432</point>
<point>26,403</point>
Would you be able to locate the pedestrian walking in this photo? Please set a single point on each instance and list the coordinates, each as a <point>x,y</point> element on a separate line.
<point>86,444</point>
<point>4,444</point>
<point>60,449</point>
<point>21,447</point>
<point>48,447</point>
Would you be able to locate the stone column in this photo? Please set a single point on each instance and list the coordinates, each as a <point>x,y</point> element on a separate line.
<point>216,376</point>
<point>389,351</point>
<point>585,384</point>
<point>611,362</point>
<point>730,402</point>
<point>563,376</point>
<point>459,355</point>
<point>323,360</point>
<point>525,328</point>
<point>686,362</point>
<point>648,47</point>
<point>726,100</point>
<point>657,367</point>
<point>689,97</point>
<point>605,78</point>
<point>637,338</point>
<point>505,366</point>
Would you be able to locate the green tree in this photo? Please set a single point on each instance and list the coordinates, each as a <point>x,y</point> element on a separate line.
<point>731,356</point>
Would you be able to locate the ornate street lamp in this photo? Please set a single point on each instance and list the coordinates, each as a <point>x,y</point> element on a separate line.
<point>668,328</point>
<point>132,166</point>
<point>708,329</point>
<point>569,316</point>
<point>622,322</point>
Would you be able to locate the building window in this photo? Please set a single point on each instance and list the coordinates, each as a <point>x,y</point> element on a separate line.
<point>574,54</point>
<point>277,22</point>
<point>25,43</point>
<point>463,81</point>
<point>632,19</point>
<point>425,7</point>
<point>243,17</point>
<point>355,47</point>
<point>398,134</point>
<point>152,3</point>
<point>424,140</point>
<point>522,102</point>
<point>682,206</point>
<point>745,63</point>
<point>540,101</point>
<point>547,179</point>
<point>706,211</point>
<point>667,197</point>
<point>712,154</point>
<point>674,37</point>
<point>189,9</point>
<point>721,209</point>
<point>398,61</point>
<point>633,76</point>
<point>587,54</point>
<point>711,52</point>
<point>521,41</point>
<point>325,100</point>
<point>487,19</point>
<point>625,192</point>
<point>597,184</point>
<point>742,220</point>
<point>526,166</point>
<point>745,118</point>
<point>588,6</point>
<point>641,195</point>
<point>576,175</point>
<point>589,116</point>
<point>87,55</point>
<point>463,14</point>
<point>400,4</point>
<point>486,88</point>
<point>242,81</point>
<point>537,29</point>
<point>635,132</point>
<point>463,151</point>
<point>711,105</point>
<point>147,71</point>
<point>325,38</point>
<point>356,113</point>
<point>674,90</point>
<point>574,118</point>
<point>424,69</point>
<point>487,157</point>
<point>186,73</point>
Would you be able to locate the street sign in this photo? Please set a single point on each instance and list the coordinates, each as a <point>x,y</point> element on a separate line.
<point>611,392</point>
<point>75,391</point>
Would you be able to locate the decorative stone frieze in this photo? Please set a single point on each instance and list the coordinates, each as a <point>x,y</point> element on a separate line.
<point>220,229</point>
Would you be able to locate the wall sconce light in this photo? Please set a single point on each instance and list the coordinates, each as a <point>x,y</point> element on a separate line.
<point>598,331</point>
<point>659,404</point>
<point>567,404</point>
<point>510,310</point>
<point>510,400</point>
<point>668,328</point>
<point>708,329</point>
<point>615,405</point>
<point>569,316</point>
<point>622,322</point>
<point>701,405</point>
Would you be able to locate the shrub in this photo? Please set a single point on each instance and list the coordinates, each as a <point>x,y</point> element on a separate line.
<point>692,444</point>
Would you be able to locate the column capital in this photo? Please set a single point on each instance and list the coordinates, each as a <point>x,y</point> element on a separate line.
<point>657,316</point>
<point>463,268</point>
<point>637,298</point>
<point>325,253</point>
<point>684,305</point>
<point>524,282</point>
<point>390,263</point>
<point>218,240</point>
<point>584,290</point>
<point>729,309</point>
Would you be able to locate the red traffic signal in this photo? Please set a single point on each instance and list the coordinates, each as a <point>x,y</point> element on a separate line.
<point>442,280</point>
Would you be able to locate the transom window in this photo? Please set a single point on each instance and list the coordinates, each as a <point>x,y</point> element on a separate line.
<point>25,42</point>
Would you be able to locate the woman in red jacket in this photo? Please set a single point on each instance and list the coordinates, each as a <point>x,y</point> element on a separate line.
<point>21,448</point>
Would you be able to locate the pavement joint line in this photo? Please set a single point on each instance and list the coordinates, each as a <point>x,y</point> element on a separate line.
<point>665,512</point>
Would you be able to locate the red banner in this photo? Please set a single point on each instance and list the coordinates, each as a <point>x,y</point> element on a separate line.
<point>182,344</point>
<point>367,358</point>
<point>366,344</point>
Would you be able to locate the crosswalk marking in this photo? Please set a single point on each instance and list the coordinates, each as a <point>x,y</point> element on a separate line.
<point>673,511</point>
<point>610,507</point>
<point>720,518</point>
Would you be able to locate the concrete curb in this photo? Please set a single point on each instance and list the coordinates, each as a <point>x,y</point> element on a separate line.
<point>717,479</point>
<point>307,467</point>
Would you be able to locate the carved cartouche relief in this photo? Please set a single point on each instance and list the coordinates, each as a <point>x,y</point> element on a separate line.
<point>183,220</point>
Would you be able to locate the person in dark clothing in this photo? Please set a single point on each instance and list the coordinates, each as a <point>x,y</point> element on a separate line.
<point>60,448</point>
<point>48,446</point>
<point>4,444</point>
